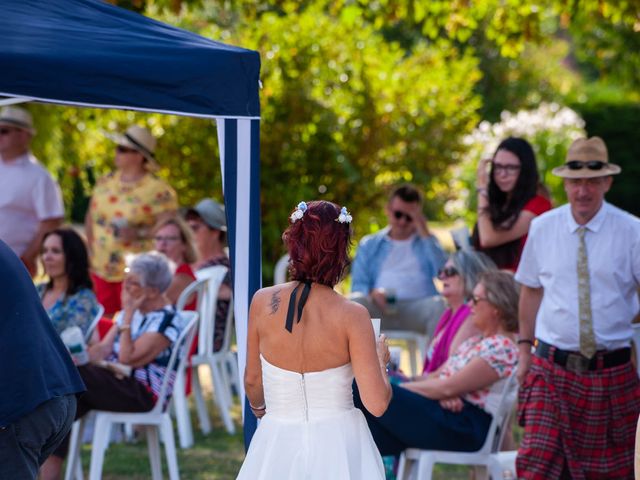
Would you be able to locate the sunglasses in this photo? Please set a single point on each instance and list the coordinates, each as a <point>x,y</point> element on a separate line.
<point>475,299</point>
<point>399,215</point>
<point>447,272</point>
<point>7,131</point>
<point>121,149</point>
<point>591,165</point>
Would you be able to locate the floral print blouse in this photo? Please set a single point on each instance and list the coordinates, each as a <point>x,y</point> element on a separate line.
<point>77,310</point>
<point>499,351</point>
<point>115,203</point>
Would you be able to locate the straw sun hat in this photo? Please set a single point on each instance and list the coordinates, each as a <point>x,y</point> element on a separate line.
<point>17,117</point>
<point>139,139</point>
<point>587,158</point>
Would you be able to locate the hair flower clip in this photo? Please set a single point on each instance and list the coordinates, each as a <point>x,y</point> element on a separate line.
<point>345,216</point>
<point>298,212</point>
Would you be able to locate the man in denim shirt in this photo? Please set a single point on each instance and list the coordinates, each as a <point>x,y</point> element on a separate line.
<point>392,274</point>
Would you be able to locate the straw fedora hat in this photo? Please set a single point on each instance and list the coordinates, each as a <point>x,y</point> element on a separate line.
<point>587,158</point>
<point>139,139</point>
<point>17,117</point>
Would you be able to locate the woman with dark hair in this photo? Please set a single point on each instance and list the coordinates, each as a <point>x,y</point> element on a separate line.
<point>302,359</point>
<point>68,295</point>
<point>509,197</point>
<point>453,410</point>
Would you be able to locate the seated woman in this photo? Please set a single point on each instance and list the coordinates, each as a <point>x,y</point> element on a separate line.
<point>68,296</point>
<point>453,410</point>
<point>172,237</point>
<point>142,337</point>
<point>459,275</point>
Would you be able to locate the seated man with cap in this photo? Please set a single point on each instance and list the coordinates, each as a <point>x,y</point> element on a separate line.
<point>30,200</point>
<point>125,205</point>
<point>209,225</point>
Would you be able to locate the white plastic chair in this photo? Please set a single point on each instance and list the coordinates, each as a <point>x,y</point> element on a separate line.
<point>94,324</point>
<point>488,456</point>
<point>180,402</point>
<point>222,363</point>
<point>280,270</point>
<point>157,421</point>
<point>416,344</point>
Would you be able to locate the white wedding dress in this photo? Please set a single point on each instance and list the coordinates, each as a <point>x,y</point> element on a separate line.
<point>311,429</point>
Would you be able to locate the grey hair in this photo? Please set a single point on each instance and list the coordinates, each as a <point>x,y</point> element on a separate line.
<point>501,291</point>
<point>155,270</point>
<point>470,264</point>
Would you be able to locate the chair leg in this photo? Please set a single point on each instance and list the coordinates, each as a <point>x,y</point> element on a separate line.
<point>166,432</point>
<point>220,397</point>
<point>201,406</point>
<point>425,467</point>
<point>404,468</point>
<point>412,347</point>
<point>153,444</point>
<point>74,465</point>
<point>183,417</point>
<point>101,433</point>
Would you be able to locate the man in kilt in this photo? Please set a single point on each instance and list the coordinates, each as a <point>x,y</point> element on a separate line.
<point>580,271</point>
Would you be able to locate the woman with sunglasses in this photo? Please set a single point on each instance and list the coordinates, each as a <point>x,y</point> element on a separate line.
<point>173,238</point>
<point>125,205</point>
<point>453,409</point>
<point>509,197</point>
<point>458,276</point>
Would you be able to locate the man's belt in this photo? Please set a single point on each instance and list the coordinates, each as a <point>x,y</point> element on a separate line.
<point>576,362</point>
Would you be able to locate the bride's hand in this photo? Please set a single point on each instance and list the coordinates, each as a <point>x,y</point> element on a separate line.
<point>382,348</point>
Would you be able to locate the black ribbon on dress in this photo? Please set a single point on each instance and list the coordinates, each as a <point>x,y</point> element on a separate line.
<point>292,304</point>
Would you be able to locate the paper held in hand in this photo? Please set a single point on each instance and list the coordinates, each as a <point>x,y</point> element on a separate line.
<point>376,327</point>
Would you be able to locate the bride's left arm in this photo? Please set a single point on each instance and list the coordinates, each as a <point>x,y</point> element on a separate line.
<point>253,369</point>
<point>477,375</point>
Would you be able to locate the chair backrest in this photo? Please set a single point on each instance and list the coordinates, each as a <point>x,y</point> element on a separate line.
<point>214,277</point>
<point>280,270</point>
<point>178,358</point>
<point>94,324</point>
<point>197,288</point>
<point>502,416</point>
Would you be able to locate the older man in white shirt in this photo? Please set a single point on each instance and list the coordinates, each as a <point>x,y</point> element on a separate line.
<point>30,200</point>
<point>580,271</point>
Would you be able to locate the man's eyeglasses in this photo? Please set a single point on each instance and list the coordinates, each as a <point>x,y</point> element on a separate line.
<point>399,215</point>
<point>475,299</point>
<point>122,149</point>
<point>508,169</point>
<point>7,131</point>
<point>591,165</point>
<point>447,272</point>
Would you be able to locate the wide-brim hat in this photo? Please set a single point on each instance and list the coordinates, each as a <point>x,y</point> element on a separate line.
<point>139,139</point>
<point>587,151</point>
<point>211,213</point>
<point>17,117</point>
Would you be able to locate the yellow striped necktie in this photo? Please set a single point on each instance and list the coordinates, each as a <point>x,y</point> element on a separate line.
<point>587,337</point>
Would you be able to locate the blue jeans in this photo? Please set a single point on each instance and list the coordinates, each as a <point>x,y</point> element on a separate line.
<point>26,444</point>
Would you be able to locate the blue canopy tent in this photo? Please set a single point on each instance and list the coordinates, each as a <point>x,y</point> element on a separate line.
<point>93,54</point>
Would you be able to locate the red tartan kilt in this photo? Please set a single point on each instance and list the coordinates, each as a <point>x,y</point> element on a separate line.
<point>587,420</point>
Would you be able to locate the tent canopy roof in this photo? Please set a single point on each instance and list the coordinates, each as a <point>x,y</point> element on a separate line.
<point>91,53</point>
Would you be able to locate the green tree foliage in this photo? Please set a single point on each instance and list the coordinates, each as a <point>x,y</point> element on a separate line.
<point>358,95</point>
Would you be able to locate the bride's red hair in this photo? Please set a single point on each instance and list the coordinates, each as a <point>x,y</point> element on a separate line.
<point>318,244</point>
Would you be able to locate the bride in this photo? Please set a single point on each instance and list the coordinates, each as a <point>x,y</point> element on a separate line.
<point>305,345</point>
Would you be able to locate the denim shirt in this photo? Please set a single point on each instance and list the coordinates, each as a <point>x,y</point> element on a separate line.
<point>373,250</point>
